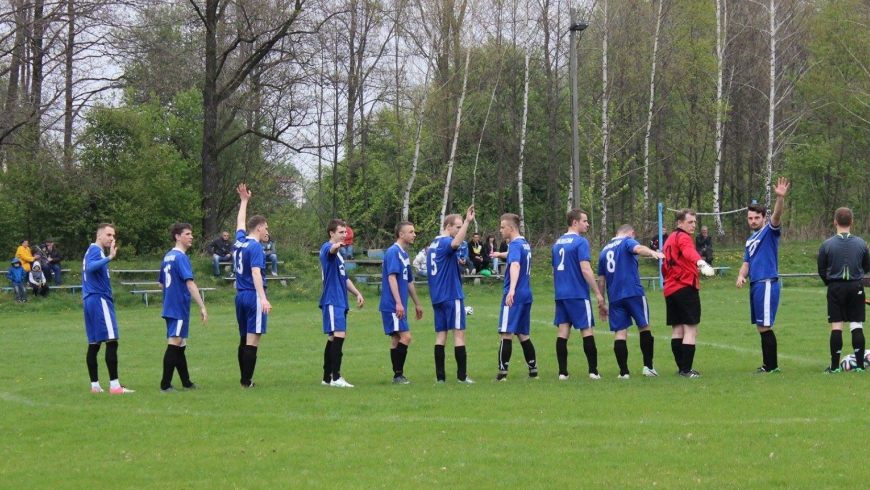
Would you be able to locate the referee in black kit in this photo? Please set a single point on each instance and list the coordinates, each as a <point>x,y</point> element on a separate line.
<point>843,262</point>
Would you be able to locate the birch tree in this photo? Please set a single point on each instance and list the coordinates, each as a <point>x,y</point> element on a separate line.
<point>452,160</point>
<point>605,121</point>
<point>721,107</point>
<point>523,148</point>
<point>650,113</point>
<point>406,200</point>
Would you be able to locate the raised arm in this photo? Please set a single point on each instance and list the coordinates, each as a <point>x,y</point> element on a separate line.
<point>244,195</point>
<point>460,237</point>
<point>780,189</point>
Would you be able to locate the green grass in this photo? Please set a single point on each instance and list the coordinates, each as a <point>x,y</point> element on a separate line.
<point>799,429</point>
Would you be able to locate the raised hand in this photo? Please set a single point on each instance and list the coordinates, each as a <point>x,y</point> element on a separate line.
<point>781,187</point>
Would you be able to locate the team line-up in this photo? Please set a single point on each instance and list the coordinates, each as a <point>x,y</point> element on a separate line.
<point>843,261</point>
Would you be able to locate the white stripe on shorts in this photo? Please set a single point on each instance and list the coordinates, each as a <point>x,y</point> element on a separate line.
<point>588,304</point>
<point>331,318</point>
<point>457,319</point>
<point>259,321</point>
<point>645,311</point>
<point>178,326</point>
<point>395,322</point>
<point>767,303</point>
<point>107,318</point>
<point>504,319</point>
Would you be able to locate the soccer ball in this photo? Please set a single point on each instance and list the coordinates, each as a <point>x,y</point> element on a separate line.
<point>867,357</point>
<point>470,311</point>
<point>849,363</point>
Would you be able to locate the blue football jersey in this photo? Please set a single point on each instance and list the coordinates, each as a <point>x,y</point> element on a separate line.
<point>247,253</point>
<point>174,274</point>
<point>396,261</point>
<point>762,253</point>
<point>334,278</point>
<point>519,251</point>
<point>618,264</point>
<point>444,281</point>
<point>568,251</point>
<point>95,273</point>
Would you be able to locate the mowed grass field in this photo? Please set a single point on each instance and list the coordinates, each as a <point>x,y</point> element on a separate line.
<point>728,429</point>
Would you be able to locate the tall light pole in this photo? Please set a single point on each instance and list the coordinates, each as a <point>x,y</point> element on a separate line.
<point>576,27</point>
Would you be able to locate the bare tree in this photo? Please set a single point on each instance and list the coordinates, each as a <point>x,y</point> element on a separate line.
<point>452,160</point>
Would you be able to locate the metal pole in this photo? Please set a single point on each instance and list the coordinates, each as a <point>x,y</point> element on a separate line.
<point>575,131</point>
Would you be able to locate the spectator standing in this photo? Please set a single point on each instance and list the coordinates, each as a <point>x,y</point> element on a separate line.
<point>269,251</point>
<point>36,280</point>
<point>347,250</point>
<point>221,250</point>
<point>25,255</point>
<point>17,275</point>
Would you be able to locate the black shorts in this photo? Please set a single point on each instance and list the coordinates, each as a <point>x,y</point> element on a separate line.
<point>684,307</point>
<point>845,301</point>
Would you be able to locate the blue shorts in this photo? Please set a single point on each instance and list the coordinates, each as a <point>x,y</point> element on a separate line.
<point>100,323</point>
<point>576,311</point>
<point>177,327</point>
<point>334,319</point>
<point>449,315</point>
<point>623,311</point>
<point>763,302</point>
<point>392,324</point>
<point>516,319</point>
<point>249,313</point>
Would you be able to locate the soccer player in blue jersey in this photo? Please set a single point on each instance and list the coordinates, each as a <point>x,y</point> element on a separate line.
<point>619,280</point>
<point>397,283</point>
<point>99,308</point>
<point>760,266</point>
<point>333,302</point>
<point>445,291</point>
<point>516,304</point>
<point>252,306</point>
<point>176,281</point>
<point>573,279</point>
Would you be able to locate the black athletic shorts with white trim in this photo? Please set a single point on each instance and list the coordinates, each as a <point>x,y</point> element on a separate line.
<point>845,301</point>
<point>684,307</point>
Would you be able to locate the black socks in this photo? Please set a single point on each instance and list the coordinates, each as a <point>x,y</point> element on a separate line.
<point>336,354</point>
<point>91,360</point>
<point>562,355</point>
<point>112,359</point>
<point>461,362</point>
<point>529,354</point>
<point>620,349</point>
<point>768,350</point>
<point>647,345</point>
<point>591,352</point>
<point>440,374</point>
<point>836,348</point>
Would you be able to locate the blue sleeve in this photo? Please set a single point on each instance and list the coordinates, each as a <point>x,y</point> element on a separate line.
<point>258,258</point>
<point>583,251</point>
<point>161,277</point>
<point>601,261</point>
<point>9,275</point>
<point>184,269</point>
<point>514,253</point>
<point>392,263</point>
<point>94,261</point>
<point>241,235</point>
<point>631,243</point>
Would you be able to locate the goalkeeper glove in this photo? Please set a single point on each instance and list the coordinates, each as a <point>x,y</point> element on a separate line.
<point>705,268</point>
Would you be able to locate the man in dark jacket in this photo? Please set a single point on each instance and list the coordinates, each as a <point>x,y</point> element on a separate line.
<point>221,250</point>
<point>52,261</point>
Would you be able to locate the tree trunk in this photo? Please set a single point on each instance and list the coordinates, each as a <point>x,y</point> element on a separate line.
<point>68,115</point>
<point>452,159</point>
<point>647,222</point>
<point>605,125</point>
<point>209,126</point>
<point>771,109</point>
<point>480,144</point>
<point>406,200</point>
<point>721,107</point>
<point>523,148</point>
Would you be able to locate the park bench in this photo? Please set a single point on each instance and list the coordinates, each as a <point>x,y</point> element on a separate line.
<point>797,274</point>
<point>154,290</point>
<point>651,282</point>
<point>475,278</point>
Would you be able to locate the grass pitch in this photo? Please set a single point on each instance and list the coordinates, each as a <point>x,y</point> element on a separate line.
<point>797,429</point>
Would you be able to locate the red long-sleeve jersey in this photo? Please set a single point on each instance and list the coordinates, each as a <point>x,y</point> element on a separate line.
<point>680,265</point>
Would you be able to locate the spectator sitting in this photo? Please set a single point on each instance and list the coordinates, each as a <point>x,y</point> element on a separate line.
<point>221,250</point>
<point>704,245</point>
<point>37,282</point>
<point>420,262</point>
<point>52,256</point>
<point>25,255</point>
<point>479,259</point>
<point>17,275</point>
<point>463,258</point>
<point>489,247</point>
<point>347,250</point>
<point>269,252</point>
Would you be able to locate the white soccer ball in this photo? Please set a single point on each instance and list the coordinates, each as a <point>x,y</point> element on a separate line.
<point>867,357</point>
<point>470,311</point>
<point>849,363</point>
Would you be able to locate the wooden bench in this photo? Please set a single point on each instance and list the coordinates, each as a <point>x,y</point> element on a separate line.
<point>71,287</point>
<point>417,285</point>
<point>146,292</point>
<point>720,271</point>
<point>134,271</point>
<point>282,279</point>
<point>475,278</point>
<point>651,282</point>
